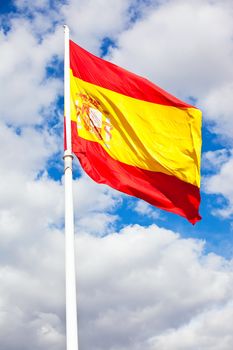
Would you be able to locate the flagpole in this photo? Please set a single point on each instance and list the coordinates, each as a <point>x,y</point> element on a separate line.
<point>71,299</point>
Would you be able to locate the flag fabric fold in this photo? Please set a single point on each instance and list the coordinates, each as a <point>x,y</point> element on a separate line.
<point>133,136</point>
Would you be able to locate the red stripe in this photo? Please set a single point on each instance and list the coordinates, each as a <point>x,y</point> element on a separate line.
<point>97,71</point>
<point>163,191</point>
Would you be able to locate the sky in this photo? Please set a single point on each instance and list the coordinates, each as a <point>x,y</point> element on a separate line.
<point>146,279</point>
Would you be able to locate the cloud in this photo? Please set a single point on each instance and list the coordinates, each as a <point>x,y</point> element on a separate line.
<point>95,206</point>
<point>213,160</point>
<point>100,198</point>
<point>32,295</point>
<point>27,90</point>
<point>220,184</point>
<point>93,21</point>
<point>219,106</point>
<point>168,292</point>
<point>26,151</point>
<point>145,209</point>
<point>202,332</point>
<point>158,284</point>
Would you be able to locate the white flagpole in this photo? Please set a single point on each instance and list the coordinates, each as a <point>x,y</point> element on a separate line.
<point>71,299</point>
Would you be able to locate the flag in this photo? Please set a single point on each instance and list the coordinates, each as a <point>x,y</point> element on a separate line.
<point>133,136</point>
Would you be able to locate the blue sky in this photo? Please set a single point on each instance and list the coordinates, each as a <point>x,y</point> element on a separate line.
<point>166,278</point>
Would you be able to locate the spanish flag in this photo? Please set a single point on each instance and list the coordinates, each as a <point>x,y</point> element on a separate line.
<point>133,136</point>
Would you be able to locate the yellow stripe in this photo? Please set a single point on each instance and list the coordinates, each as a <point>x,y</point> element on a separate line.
<point>143,134</point>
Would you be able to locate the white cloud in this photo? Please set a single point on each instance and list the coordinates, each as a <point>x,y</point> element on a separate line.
<point>213,160</point>
<point>25,90</point>
<point>221,183</point>
<point>150,278</point>
<point>139,288</point>
<point>90,21</point>
<point>25,152</point>
<point>92,197</point>
<point>36,5</point>
<point>137,285</point>
<point>94,205</point>
<point>202,332</point>
<point>145,209</point>
<point>32,294</point>
<point>219,106</point>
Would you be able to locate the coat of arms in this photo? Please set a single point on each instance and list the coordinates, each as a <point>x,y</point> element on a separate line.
<point>93,118</point>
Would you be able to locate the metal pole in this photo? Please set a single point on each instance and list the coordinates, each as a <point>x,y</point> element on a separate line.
<point>71,299</point>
